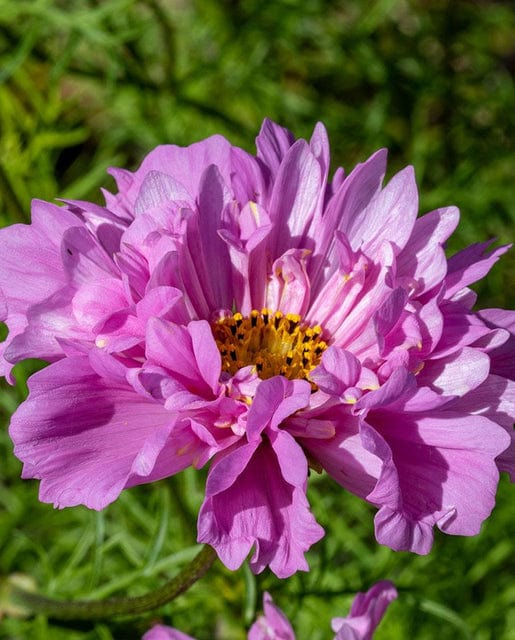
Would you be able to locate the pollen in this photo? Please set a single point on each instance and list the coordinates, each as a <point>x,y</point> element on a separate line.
<point>273,342</point>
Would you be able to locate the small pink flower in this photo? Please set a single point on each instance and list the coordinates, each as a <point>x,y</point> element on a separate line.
<point>366,613</point>
<point>249,311</point>
<point>162,632</point>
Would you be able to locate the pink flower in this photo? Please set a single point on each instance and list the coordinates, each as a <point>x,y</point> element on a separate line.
<point>366,613</point>
<point>248,311</point>
<point>162,632</point>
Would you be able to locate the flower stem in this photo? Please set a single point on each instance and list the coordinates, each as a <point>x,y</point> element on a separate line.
<point>96,609</point>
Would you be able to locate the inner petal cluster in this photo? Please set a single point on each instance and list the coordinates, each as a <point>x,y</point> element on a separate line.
<point>274,343</point>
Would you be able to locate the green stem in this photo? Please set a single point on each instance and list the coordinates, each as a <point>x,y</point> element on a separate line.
<point>95,609</point>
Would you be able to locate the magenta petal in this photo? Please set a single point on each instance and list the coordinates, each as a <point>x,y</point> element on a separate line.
<point>438,469</point>
<point>494,399</point>
<point>81,434</point>
<point>213,197</point>
<point>260,509</point>
<point>470,265</point>
<point>288,288</point>
<point>295,196</point>
<point>357,191</point>
<point>422,262</point>
<point>503,357</point>
<point>185,164</point>
<point>273,625</point>
<point>228,467</point>
<point>162,632</point>
<point>276,399</point>
<point>31,270</point>
<point>342,453</point>
<point>390,215</point>
<point>188,353</point>
<point>273,143</point>
<point>366,613</point>
<point>400,383</point>
<point>338,371</point>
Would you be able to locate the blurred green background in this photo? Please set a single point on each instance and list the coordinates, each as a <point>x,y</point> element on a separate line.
<point>89,84</point>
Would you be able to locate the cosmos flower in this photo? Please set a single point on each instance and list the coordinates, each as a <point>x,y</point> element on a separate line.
<point>366,613</point>
<point>249,312</point>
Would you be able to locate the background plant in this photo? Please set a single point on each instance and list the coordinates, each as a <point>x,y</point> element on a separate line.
<point>89,84</point>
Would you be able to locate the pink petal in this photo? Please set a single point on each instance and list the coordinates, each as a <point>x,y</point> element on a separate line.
<point>390,215</point>
<point>190,354</point>
<point>294,198</point>
<point>423,262</point>
<point>338,370</point>
<point>273,143</point>
<point>162,632</point>
<point>366,613</point>
<point>438,469</point>
<point>259,509</point>
<point>81,434</point>
<point>470,265</point>
<point>455,374</point>
<point>273,625</point>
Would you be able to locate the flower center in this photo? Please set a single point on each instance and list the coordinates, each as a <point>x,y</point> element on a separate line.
<point>276,344</point>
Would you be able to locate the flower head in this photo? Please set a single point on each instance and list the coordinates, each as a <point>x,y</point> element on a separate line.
<point>248,311</point>
<point>366,613</point>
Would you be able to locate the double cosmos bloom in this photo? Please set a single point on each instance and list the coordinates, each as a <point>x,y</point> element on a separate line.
<point>245,311</point>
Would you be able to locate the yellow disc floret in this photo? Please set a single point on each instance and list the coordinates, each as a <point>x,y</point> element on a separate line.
<point>274,343</point>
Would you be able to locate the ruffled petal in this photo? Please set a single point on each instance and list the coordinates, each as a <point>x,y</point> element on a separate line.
<point>189,353</point>
<point>31,268</point>
<point>81,434</point>
<point>272,144</point>
<point>438,468</point>
<point>338,371</point>
<point>260,509</point>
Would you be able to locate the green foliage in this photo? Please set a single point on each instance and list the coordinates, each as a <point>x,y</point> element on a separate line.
<point>87,84</point>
